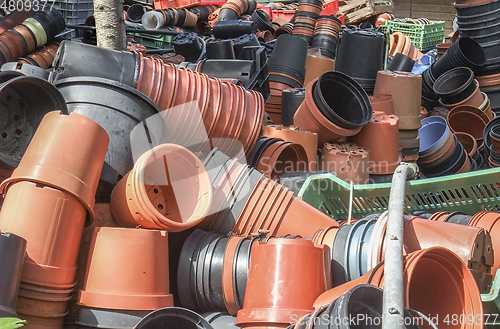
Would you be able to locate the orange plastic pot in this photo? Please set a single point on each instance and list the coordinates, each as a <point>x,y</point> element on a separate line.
<point>67,152</point>
<point>53,236</point>
<point>276,290</point>
<point>475,99</point>
<point>490,221</point>
<point>350,162</point>
<point>127,269</point>
<point>382,103</point>
<point>316,66</point>
<point>468,119</point>
<point>168,188</point>
<point>436,282</point>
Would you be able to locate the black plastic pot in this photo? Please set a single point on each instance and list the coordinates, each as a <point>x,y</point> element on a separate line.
<point>12,252</point>
<point>352,58</point>
<point>401,63</point>
<point>188,45</point>
<point>262,21</point>
<point>233,28</point>
<point>484,16</point>
<point>290,102</point>
<point>52,21</point>
<point>21,115</point>
<point>458,218</point>
<point>135,13</point>
<point>290,52</point>
<point>448,166</point>
<point>79,59</point>
<point>227,14</point>
<point>455,85</point>
<point>220,320</point>
<point>465,52</point>
<point>326,43</point>
<point>483,28</point>
<point>22,69</point>
<point>342,100</point>
<point>245,40</point>
<point>173,318</point>
<point>466,11</point>
<point>491,50</point>
<point>220,49</point>
<point>429,97</point>
<point>118,108</point>
<point>494,96</point>
<point>261,144</point>
<point>107,318</point>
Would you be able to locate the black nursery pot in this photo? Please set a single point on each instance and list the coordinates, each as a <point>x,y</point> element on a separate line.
<point>220,49</point>
<point>455,85</point>
<point>401,63</point>
<point>233,28</point>
<point>135,13</point>
<point>262,21</point>
<point>188,45</point>
<point>290,102</point>
<point>245,40</point>
<point>465,52</point>
<point>289,51</point>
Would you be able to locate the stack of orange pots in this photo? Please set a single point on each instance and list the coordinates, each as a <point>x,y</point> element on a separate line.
<point>305,18</point>
<point>14,18</point>
<point>350,162</point>
<point>42,58</point>
<point>48,199</point>
<point>400,43</point>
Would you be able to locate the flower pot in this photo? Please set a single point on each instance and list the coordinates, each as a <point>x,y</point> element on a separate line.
<point>289,56</point>
<point>433,134</point>
<point>282,157</point>
<point>172,318</point>
<point>468,119</point>
<point>261,18</point>
<point>177,201</point>
<point>350,162</point>
<point>67,153</point>
<point>12,251</point>
<point>406,91</point>
<point>382,103</point>
<point>135,13</point>
<point>468,142</point>
<point>53,237</point>
<point>16,17</point>
<point>220,320</point>
<point>290,102</point>
<point>401,63</point>
<point>465,52</point>
<point>102,101</point>
<point>188,45</point>
<point>220,49</point>
<point>23,115</point>
<point>103,318</point>
<point>260,307</point>
<point>134,268</point>
<point>475,99</point>
<point>225,29</point>
<point>381,138</point>
<point>153,20</point>
<point>455,85</point>
<point>316,66</point>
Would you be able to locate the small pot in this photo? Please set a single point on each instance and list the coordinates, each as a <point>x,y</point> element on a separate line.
<point>350,162</point>
<point>465,52</point>
<point>455,85</point>
<point>401,63</point>
<point>468,142</point>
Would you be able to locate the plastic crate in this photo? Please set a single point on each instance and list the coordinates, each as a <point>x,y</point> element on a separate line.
<point>164,4</point>
<point>469,193</point>
<point>153,41</point>
<point>491,303</point>
<point>74,11</point>
<point>423,36</point>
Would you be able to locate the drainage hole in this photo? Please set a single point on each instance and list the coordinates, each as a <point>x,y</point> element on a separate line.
<point>160,206</point>
<point>4,135</point>
<point>155,190</point>
<point>18,132</point>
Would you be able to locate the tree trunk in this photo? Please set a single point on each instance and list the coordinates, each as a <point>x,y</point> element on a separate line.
<point>110,24</point>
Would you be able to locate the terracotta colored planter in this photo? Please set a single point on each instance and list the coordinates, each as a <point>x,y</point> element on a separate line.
<point>452,289</point>
<point>382,103</point>
<point>53,236</point>
<point>469,143</point>
<point>282,157</point>
<point>14,18</point>
<point>136,266</point>
<point>71,161</point>
<point>177,201</point>
<point>43,57</point>
<point>490,222</point>
<point>308,140</point>
<point>475,99</point>
<point>316,66</point>
<point>468,119</point>
<point>350,162</point>
<point>406,91</point>
<point>381,138</point>
<point>269,276</point>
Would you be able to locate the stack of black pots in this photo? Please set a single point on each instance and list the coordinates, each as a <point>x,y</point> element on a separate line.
<point>326,35</point>
<point>305,19</point>
<point>466,52</point>
<point>261,19</point>
<point>491,138</point>
<point>352,58</point>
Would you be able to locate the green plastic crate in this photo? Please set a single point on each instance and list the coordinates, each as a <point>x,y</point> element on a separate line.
<point>423,36</point>
<point>469,193</point>
<point>153,41</point>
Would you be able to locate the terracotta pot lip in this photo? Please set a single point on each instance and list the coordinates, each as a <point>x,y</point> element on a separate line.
<point>465,101</point>
<point>473,151</point>
<point>467,110</point>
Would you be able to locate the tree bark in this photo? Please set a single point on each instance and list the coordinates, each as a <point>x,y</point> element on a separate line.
<point>110,24</point>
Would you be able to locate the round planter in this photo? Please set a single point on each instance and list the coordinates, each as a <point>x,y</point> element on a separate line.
<point>401,63</point>
<point>406,91</point>
<point>289,52</point>
<point>382,103</point>
<point>89,317</point>
<point>316,66</point>
<point>455,85</point>
<point>468,119</point>
<point>468,142</point>
<point>489,221</point>
<point>136,12</point>
<point>290,102</point>
<point>173,318</point>
<point>278,254</point>
<point>350,162</point>
<point>128,257</point>
<point>475,99</point>
<point>53,159</point>
<point>153,20</point>
<point>465,52</point>
<point>22,115</point>
<point>12,251</point>
<point>433,134</point>
<point>168,188</point>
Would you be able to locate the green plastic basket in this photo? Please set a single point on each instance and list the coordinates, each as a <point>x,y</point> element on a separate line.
<point>469,193</point>
<point>423,36</point>
<point>153,41</point>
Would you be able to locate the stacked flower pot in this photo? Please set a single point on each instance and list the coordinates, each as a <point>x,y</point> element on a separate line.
<point>305,19</point>
<point>326,35</point>
<point>350,162</point>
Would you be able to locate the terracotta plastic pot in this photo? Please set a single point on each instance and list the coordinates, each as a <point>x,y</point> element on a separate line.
<point>53,236</point>
<point>381,138</point>
<point>490,222</point>
<point>475,99</point>
<point>271,260</point>
<point>172,318</point>
<point>16,17</point>
<point>349,161</point>
<point>382,103</point>
<point>452,289</point>
<point>102,318</point>
<point>43,58</point>
<point>406,90</point>
<point>455,85</point>
<point>468,119</point>
<point>282,157</point>
<point>136,265</point>
<point>23,115</point>
<point>308,140</point>
<point>168,188</point>
<point>12,251</point>
<point>67,152</point>
<point>316,66</point>
<point>468,142</point>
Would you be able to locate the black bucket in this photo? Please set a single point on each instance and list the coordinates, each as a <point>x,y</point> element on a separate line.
<point>290,102</point>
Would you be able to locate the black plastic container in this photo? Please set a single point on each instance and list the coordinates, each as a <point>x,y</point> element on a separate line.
<point>135,13</point>
<point>220,49</point>
<point>233,28</point>
<point>262,21</point>
<point>245,40</point>
<point>455,85</point>
<point>290,102</point>
<point>448,166</point>
<point>465,52</point>
<point>289,57</point>
<point>477,10</point>
<point>188,45</point>
<point>12,252</point>
<point>401,63</point>
<point>227,14</point>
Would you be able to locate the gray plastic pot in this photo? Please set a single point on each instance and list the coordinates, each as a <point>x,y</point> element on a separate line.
<point>109,319</point>
<point>173,318</point>
<point>115,106</point>
<point>23,69</point>
<point>433,134</point>
<point>12,252</point>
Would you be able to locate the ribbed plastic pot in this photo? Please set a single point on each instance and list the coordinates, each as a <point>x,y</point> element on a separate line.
<point>290,102</point>
<point>468,119</point>
<point>135,263</point>
<point>452,164</point>
<point>282,157</point>
<point>352,60</point>
<point>16,17</point>
<point>490,222</point>
<point>455,85</point>
<point>289,54</point>
<point>23,69</point>
<point>12,251</point>
<point>349,161</point>
<point>22,115</point>
<point>188,45</point>
<point>270,275</point>
<point>401,63</point>
<point>117,108</point>
<point>67,153</point>
<point>173,318</point>
<point>220,49</point>
<point>469,143</point>
<point>474,99</point>
<point>406,91</point>
<point>153,20</point>
<point>135,13</point>
<point>168,188</point>
<point>78,59</point>
<point>225,29</point>
<point>104,318</point>
<point>53,236</point>
<point>465,52</point>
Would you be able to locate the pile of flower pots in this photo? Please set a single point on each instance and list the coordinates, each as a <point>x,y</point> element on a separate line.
<point>350,162</point>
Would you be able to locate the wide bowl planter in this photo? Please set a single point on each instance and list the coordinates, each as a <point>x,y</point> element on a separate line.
<point>12,251</point>
<point>455,85</point>
<point>22,115</point>
<point>127,270</point>
<point>468,119</point>
<point>67,152</point>
<point>270,275</point>
<point>168,188</point>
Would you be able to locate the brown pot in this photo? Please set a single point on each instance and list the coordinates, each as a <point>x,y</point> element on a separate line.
<point>308,140</point>
<point>382,103</point>
<point>475,99</point>
<point>468,142</point>
<point>406,91</point>
<point>381,138</point>
<point>53,236</point>
<point>67,152</point>
<point>350,162</point>
<point>486,107</point>
<point>440,153</point>
<point>190,20</point>
<point>272,274</point>
<point>168,188</point>
<point>309,118</point>
<point>280,158</point>
<point>316,66</point>
<point>127,269</point>
<point>468,119</point>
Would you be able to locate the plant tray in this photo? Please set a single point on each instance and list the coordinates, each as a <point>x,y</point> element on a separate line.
<point>359,10</point>
<point>423,36</point>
